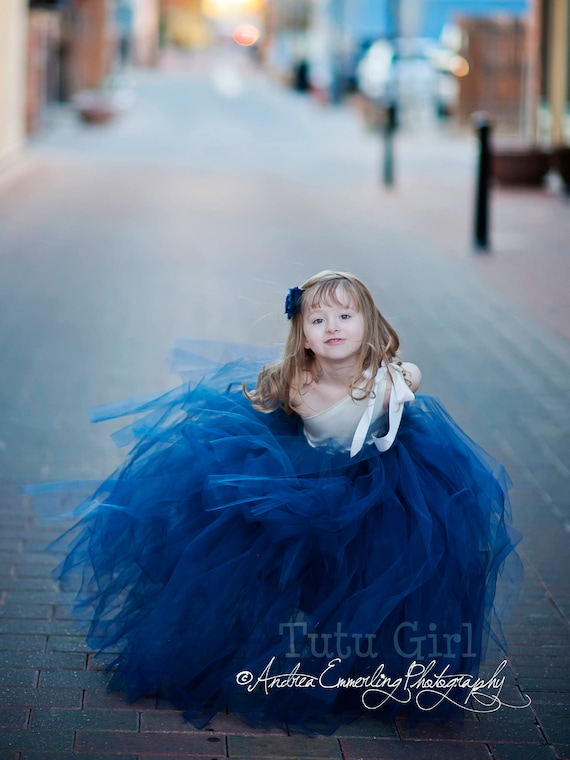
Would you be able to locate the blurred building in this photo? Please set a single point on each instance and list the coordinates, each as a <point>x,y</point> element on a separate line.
<point>70,46</point>
<point>496,52</point>
<point>520,71</point>
<point>55,48</point>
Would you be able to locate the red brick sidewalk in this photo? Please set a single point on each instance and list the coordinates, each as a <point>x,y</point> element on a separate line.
<point>491,331</point>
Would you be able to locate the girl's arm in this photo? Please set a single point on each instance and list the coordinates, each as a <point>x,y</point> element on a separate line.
<point>412,375</point>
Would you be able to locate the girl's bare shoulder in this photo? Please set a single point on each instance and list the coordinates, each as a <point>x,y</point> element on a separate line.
<point>299,398</point>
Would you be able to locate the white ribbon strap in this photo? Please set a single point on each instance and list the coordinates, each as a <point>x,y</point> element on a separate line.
<point>399,394</point>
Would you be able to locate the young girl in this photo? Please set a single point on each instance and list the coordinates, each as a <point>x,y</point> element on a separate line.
<point>314,549</point>
<point>340,347</point>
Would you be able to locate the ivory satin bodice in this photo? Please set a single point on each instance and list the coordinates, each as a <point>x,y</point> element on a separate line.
<point>350,423</point>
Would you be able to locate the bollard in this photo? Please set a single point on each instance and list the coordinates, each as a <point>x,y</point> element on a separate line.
<point>390,123</point>
<point>482,124</point>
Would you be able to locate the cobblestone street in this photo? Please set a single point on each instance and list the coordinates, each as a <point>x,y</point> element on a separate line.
<point>191,215</point>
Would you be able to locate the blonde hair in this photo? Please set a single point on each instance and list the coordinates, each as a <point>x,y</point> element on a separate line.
<point>380,343</point>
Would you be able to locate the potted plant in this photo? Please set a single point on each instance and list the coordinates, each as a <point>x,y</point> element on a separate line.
<point>561,164</point>
<point>95,106</point>
<point>99,105</point>
<point>519,164</point>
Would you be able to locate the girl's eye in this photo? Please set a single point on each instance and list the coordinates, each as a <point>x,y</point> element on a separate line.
<point>317,321</point>
<point>345,316</point>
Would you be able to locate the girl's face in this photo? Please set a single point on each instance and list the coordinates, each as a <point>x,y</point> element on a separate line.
<point>334,331</point>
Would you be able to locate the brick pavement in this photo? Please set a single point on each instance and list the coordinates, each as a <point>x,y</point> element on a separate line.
<point>489,332</point>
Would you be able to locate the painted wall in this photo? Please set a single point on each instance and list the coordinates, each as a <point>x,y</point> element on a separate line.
<point>13,19</point>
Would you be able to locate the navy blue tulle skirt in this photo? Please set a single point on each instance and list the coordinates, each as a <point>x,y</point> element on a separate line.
<point>230,565</point>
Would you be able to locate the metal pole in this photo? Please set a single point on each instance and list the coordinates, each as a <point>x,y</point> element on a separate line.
<point>336,90</point>
<point>481,227</point>
<point>391,96</point>
<point>389,129</point>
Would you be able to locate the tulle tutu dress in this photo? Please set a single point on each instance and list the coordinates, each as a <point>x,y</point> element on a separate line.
<point>292,576</point>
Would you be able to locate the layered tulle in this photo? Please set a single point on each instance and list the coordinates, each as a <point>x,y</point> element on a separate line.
<point>226,551</point>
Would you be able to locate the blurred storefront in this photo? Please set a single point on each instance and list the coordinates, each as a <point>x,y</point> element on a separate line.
<point>70,47</point>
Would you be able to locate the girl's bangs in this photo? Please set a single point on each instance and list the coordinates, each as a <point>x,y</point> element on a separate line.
<point>327,293</point>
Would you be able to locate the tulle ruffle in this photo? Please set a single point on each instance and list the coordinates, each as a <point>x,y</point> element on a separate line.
<point>226,551</point>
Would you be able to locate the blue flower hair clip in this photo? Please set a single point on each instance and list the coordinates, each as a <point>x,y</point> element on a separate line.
<point>293,302</point>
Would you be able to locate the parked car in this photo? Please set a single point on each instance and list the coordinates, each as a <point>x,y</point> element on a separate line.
<point>411,72</point>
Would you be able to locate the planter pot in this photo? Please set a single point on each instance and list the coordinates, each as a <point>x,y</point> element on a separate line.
<point>561,163</point>
<point>519,165</point>
<point>95,107</point>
